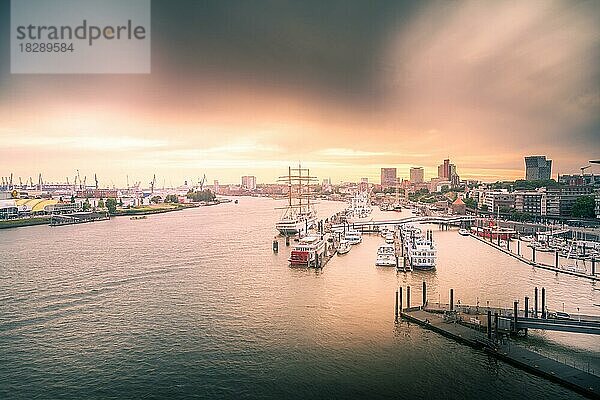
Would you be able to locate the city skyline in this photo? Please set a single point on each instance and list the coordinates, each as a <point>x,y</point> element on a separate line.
<point>413,90</point>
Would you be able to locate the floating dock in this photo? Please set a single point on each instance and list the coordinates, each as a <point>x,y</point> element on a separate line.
<point>468,329</point>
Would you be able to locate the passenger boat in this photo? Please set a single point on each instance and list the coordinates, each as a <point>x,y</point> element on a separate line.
<point>386,255</point>
<point>389,238</point>
<point>344,247</point>
<point>526,238</point>
<point>309,251</point>
<point>421,251</point>
<point>463,232</point>
<point>353,237</point>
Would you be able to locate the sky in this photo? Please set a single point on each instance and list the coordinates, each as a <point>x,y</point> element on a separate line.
<point>344,87</point>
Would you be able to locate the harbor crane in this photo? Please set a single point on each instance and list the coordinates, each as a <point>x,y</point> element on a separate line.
<point>96,180</point>
<point>584,168</point>
<point>201,183</point>
<point>152,184</point>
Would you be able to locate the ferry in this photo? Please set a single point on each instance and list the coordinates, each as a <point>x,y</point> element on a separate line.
<point>386,256</point>
<point>353,237</point>
<point>389,238</point>
<point>309,251</point>
<point>421,251</point>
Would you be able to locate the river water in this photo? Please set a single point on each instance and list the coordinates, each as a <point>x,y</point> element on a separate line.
<point>195,304</point>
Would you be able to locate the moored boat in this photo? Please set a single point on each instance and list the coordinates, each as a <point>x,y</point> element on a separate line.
<point>353,237</point>
<point>344,247</point>
<point>309,251</point>
<point>463,232</point>
<point>386,255</point>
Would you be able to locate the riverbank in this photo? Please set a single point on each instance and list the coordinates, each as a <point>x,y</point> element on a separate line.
<point>20,222</point>
<point>154,209</point>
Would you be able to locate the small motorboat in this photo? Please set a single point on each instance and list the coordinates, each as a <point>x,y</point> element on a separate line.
<point>463,232</point>
<point>344,247</point>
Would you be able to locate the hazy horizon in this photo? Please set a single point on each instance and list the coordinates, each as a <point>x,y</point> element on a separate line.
<point>346,88</point>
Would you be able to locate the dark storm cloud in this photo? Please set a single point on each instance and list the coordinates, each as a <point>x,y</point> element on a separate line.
<point>329,45</point>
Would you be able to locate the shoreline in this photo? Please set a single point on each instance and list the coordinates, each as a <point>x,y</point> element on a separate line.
<point>130,212</point>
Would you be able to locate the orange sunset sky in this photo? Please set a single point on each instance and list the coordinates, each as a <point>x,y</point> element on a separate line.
<point>345,87</point>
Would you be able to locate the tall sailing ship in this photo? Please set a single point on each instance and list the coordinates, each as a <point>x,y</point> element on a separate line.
<point>299,215</point>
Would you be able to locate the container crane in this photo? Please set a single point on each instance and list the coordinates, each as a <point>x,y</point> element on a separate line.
<point>152,184</point>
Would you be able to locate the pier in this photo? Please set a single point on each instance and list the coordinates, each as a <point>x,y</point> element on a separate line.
<point>78,218</point>
<point>492,332</point>
<point>536,264</point>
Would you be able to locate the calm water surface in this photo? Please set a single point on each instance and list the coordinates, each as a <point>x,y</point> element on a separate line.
<point>195,304</point>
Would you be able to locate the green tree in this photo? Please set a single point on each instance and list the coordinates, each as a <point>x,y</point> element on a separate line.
<point>204,195</point>
<point>583,207</point>
<point>470,203</point>
<point>111,204</point>
<point>72,199</point>
<point>100,203</point>
<point>86,205</point>
<point>484,207</point>
<point>171,198</point>
<point>156,199</point>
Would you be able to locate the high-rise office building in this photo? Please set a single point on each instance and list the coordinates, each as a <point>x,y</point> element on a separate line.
<point>417,175</point>
<point>249,182</point>
<point>388,177</point>
<point>537,167</point>
<point>447,171</point>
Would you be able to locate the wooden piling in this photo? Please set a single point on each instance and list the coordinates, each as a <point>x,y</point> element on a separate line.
<point>543,303</point>
<point>396,306</point>
<point>408,297</point>
<point>526,307</point>
<point>451,299</point>
<point>516,315</point>
<point>489,323</point>
<point>535,303</point>
<point>400,299</point>
<point>424,294</point>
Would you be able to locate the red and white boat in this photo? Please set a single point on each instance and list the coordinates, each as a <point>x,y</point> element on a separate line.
<point>309,251</point>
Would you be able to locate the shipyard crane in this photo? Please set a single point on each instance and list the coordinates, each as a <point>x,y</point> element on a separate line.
<point>10,182</point>
<point>20,183</point>
<point>96,179</point>
<point>84,182</point>
<point>31,182</point>
<point>152,184</point>
<point>201,183</point>
<point>78,178</point>
<point>40,182</point>
<point>584,168</point>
